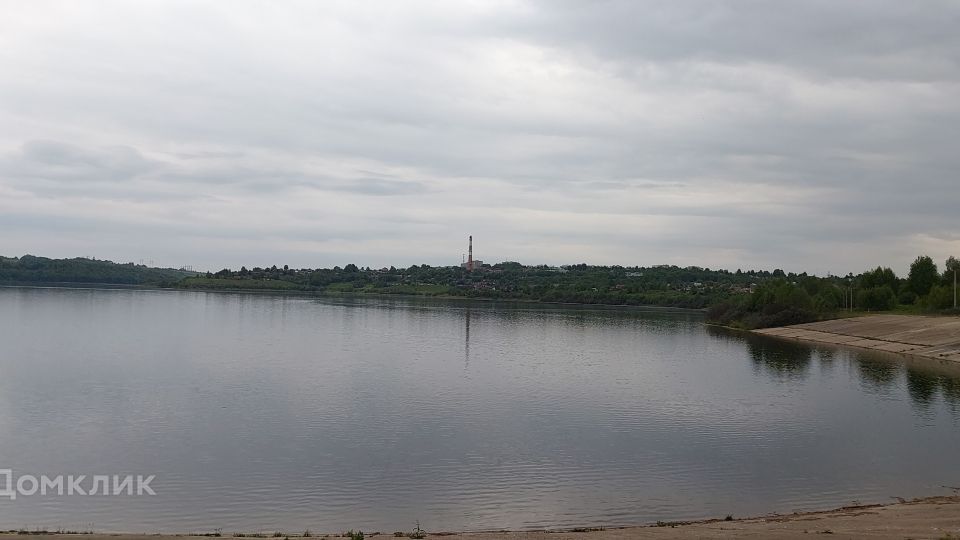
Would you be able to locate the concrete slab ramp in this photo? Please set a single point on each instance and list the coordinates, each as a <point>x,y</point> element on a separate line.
<point>918,335</point>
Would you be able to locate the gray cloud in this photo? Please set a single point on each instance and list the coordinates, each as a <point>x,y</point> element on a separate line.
<point>379,186</point>
<point>874,40</point>
<point>57,161</point>
<point>809,136</point>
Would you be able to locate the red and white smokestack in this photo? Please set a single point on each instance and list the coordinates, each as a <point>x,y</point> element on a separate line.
<point>470,256</point>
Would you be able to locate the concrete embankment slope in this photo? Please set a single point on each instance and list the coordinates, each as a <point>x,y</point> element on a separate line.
<point>916,335</point>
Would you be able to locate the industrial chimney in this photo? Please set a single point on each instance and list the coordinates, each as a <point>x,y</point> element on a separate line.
<point>470,256</point>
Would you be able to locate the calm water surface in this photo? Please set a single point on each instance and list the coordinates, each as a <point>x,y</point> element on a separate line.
<point>260,413</point>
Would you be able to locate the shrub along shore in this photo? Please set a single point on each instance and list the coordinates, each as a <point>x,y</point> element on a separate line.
<point>804,298</point>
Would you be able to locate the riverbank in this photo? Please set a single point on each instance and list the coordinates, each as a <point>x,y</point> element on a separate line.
<point>927,518</point>
<point>923,336</point>
<point>317,293</point>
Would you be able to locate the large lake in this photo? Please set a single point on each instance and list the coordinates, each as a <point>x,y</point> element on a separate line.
<point>263,412</point>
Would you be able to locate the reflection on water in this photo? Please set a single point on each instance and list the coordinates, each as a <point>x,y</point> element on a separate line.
<point>466,337</point>
<point>926,386</point>
<point>777,358</point>
<point>781,359</point>
<point>265,412</point>
<point>875,373</point>
<point>950,388</point>
<point>922,386</point>
<point>925,381</point>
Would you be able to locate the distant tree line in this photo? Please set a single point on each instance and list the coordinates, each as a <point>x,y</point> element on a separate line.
<point>689,287</point>
<point>30,269</point>
<point>747,299</point>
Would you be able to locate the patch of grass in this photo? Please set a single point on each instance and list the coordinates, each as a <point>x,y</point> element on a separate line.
<point>259,284</point>
<point>340,287</point>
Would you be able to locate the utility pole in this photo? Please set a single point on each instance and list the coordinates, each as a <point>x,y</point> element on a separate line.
<point>851,294</point>
<point>954,287</point>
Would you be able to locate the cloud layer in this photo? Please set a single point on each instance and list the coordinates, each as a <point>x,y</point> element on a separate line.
<point>809,136</point>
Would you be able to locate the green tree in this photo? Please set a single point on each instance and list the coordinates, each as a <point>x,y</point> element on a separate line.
<point>950,275</point>
<point>940,297</point>
<point>876,298</point>
<point>878,278</point>
<point>952,265</point>
<point>923,275</point>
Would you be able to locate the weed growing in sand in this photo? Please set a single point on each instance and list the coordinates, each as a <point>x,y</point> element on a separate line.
<point>417,533</point>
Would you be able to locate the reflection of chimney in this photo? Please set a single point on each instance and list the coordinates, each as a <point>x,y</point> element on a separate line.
<point>470,256</point>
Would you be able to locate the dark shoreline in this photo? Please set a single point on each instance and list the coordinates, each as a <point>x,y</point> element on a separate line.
<point>314,293</point>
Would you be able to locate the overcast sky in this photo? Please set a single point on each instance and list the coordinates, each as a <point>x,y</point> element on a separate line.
<point>815,135</point>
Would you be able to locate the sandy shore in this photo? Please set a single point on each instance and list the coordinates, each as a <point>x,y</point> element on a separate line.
<point>936,338</point>
<point>929,518</point>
